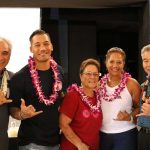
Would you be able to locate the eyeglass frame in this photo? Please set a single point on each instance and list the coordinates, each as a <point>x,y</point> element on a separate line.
<point>94,74</point>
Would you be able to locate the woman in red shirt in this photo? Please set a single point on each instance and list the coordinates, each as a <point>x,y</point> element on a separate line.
<point>80,112</point>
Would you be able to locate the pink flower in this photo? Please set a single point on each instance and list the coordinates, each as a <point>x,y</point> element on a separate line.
<point>118,90</point>
<point>84,98</point>
<point>57,86</point>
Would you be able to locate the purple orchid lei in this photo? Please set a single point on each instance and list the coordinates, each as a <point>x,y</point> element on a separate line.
<point>84,98</point>
<point>57,86</point>
<point>118,90</point>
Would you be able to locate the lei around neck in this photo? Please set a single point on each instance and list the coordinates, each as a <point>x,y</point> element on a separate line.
<point>102,89</point>
<point>57,86</point>
<point>4,83</point>
<point>84,98</point>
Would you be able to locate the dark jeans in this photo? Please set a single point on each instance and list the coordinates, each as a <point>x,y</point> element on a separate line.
<point>143,140</point>
<point>119,141</point>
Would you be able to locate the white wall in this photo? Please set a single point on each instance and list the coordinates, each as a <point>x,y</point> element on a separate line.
<point>17,24</point>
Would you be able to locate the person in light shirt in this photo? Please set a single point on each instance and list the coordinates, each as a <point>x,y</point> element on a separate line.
<point>120,95</point>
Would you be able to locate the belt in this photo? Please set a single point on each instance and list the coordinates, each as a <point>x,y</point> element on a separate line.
<point>145,130</point>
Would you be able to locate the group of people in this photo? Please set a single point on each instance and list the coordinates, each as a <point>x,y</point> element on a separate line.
<point>99,114</point>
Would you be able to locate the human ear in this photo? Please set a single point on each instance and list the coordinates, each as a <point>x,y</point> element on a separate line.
<point>31,49</point>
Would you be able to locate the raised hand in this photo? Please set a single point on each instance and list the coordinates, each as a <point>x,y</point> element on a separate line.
<point>123,116</point>
<point>3,99</point>
<point>145,108</point>
<point>28,111</point>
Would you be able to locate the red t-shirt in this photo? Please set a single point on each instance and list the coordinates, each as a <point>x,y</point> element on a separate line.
<point>85,123</point>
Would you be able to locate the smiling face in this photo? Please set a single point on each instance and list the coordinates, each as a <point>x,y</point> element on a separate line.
<point>4,55</point>
<point>115,63</point>
<point>41,47</point>
<point>146,61</point>
<point>89,77</point>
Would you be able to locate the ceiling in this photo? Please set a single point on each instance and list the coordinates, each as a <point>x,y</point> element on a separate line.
<point>71,3</point>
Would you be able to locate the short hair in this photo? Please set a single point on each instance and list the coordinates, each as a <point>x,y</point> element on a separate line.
<point>87,62</point>
<point>2,39</point>
<point>116,50</point>
<point>38,32</point>
<point>145,49</point>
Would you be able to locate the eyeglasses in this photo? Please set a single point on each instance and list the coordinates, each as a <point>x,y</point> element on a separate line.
<point>90,74</point>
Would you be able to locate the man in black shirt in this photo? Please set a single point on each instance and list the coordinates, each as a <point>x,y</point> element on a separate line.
<point>35,91</point>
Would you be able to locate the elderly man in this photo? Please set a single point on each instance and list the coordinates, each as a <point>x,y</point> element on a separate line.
<point>5,52</point>
<point>144,116</point>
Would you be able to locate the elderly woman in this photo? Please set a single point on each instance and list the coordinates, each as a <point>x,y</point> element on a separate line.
<point>80,112</point>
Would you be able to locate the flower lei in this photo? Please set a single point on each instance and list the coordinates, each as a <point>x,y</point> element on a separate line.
<point>84,98</point>
<point>4,85</point>
<point>118,90</point>
<point>57,86</point>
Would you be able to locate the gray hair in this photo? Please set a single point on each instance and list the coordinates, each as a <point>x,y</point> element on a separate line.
<point>2,39</point>
<point>145,49</point>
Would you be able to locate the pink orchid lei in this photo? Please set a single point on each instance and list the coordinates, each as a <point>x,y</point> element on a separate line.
<point>118,90</point>
<point>57,86</point>
<point>84,98</point>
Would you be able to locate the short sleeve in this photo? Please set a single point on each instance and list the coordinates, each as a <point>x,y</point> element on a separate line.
<point>16,85</point>
<point>70,104</point>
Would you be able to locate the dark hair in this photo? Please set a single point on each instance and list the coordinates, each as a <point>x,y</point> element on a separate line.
<point>38,32</point>
<point>116,50</point>
<point>87,62</point>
